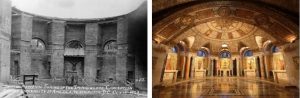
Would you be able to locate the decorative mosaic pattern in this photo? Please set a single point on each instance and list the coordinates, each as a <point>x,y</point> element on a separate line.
<point>214,87</point>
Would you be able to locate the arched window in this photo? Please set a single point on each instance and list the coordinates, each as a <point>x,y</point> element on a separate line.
<point>37,45</point>
<point>74,44</point>
<point>225,54</point>
<point>110,46</point>
<point>248,53</point>
<point>174,49</point>
<point>274,49</point>
<point>202,53</point>
<point>74,48</point>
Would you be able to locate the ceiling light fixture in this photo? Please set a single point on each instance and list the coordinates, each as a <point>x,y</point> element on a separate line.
<point>224,45</point>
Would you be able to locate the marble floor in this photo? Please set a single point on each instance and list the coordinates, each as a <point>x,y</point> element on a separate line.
<point>225,87</point>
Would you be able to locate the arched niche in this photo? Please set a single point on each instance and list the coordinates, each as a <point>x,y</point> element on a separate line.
<point>37,46</point>
<point>74,48</point>
<point>39,60</point>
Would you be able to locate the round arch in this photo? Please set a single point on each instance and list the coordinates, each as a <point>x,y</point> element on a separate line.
<point>37,45</point>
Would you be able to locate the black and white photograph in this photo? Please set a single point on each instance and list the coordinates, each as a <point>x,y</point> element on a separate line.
<point>73,48</point>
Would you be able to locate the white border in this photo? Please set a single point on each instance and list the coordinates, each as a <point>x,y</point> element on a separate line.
<point>149,49</point>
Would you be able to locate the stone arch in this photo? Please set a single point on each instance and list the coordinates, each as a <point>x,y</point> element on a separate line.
<point>37,45</point>
<point>74,44</point>
<point>110,46</point>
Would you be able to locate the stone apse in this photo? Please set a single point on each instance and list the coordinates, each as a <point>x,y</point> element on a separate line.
<point>258,43</point>
<point>91,50</point>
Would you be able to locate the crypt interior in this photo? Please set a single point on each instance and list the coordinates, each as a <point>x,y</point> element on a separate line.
<point>72,51</point>
<point>225,48</point>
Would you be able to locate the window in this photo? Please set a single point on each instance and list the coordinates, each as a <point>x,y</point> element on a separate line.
<point>110,46</point>
<point>274,49</point>
<point>248,53</point>
<point>37,45</point>
<point>74,44</point>
<point>201,53</point>
<point>225,54</point>
<point>174,49</point>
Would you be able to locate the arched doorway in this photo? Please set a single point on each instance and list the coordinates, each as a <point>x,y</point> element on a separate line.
<point>73,62</point>
<point>39,59</point>
<point>224,65</point>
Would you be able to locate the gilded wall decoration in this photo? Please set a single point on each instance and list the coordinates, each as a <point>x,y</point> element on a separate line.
<point>224,11</point>
<point>225,63</point>
<point>171,61</point>
<point>296,61</point>
<point>278,61</point>
<point>263,20</point>
<point>250,63</point>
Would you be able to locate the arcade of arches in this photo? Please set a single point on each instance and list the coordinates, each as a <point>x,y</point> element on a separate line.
<point>72,51</point>
<point>229,44</point>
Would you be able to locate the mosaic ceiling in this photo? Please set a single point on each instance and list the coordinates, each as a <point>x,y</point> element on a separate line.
<point>225,30</point>
<point>233,23</point>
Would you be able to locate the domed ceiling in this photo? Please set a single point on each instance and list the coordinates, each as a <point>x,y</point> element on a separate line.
<point>234,23</point>
<point>222,29</point>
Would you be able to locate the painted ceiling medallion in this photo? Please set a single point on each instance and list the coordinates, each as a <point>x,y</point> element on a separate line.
<point>225,29</point>
<point>224,11</point>
<point>224,25</point>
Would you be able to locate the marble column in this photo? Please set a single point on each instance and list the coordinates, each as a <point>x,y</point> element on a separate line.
<point>90,59</point>
<point>241,66</point>
<point>262,70</point>
<point>192,67</point>
<point>122,59</point>
<point>212,67</point>
<point>238,66</point>
<point>257,67</point>
<point>266,65</point>
<point>56,46</point>
<point>218,69</point>
<point>183,60</point>
<point>5,39</point>
<point>208,66</point>
<point>187,66</point>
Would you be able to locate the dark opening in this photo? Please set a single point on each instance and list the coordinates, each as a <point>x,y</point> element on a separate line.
<point>234,68</point>
<point>258,67</point>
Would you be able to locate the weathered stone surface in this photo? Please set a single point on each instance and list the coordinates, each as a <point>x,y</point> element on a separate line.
<point>122,59</point>
<point>5,40</point>
<point>56,44</point>
<point>90,63</point>
<point>22,31</point>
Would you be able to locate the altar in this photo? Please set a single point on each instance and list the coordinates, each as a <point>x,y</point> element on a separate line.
<point>225,68</point>
<point>280,76</point>
<point>200,73</point>
<point>250,72</point>
<point>170,75</point>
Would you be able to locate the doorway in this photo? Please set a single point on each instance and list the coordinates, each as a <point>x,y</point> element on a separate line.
<point>73,70</point>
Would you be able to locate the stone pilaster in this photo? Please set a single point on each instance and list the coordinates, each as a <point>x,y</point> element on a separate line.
<point>56,44</point>
<point>90,60</point>
<point>5,39</point>
<point>22,35</point>
<point>122,53</point>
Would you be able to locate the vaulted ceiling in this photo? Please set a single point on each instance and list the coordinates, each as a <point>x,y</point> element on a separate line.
<point>237,24</point>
